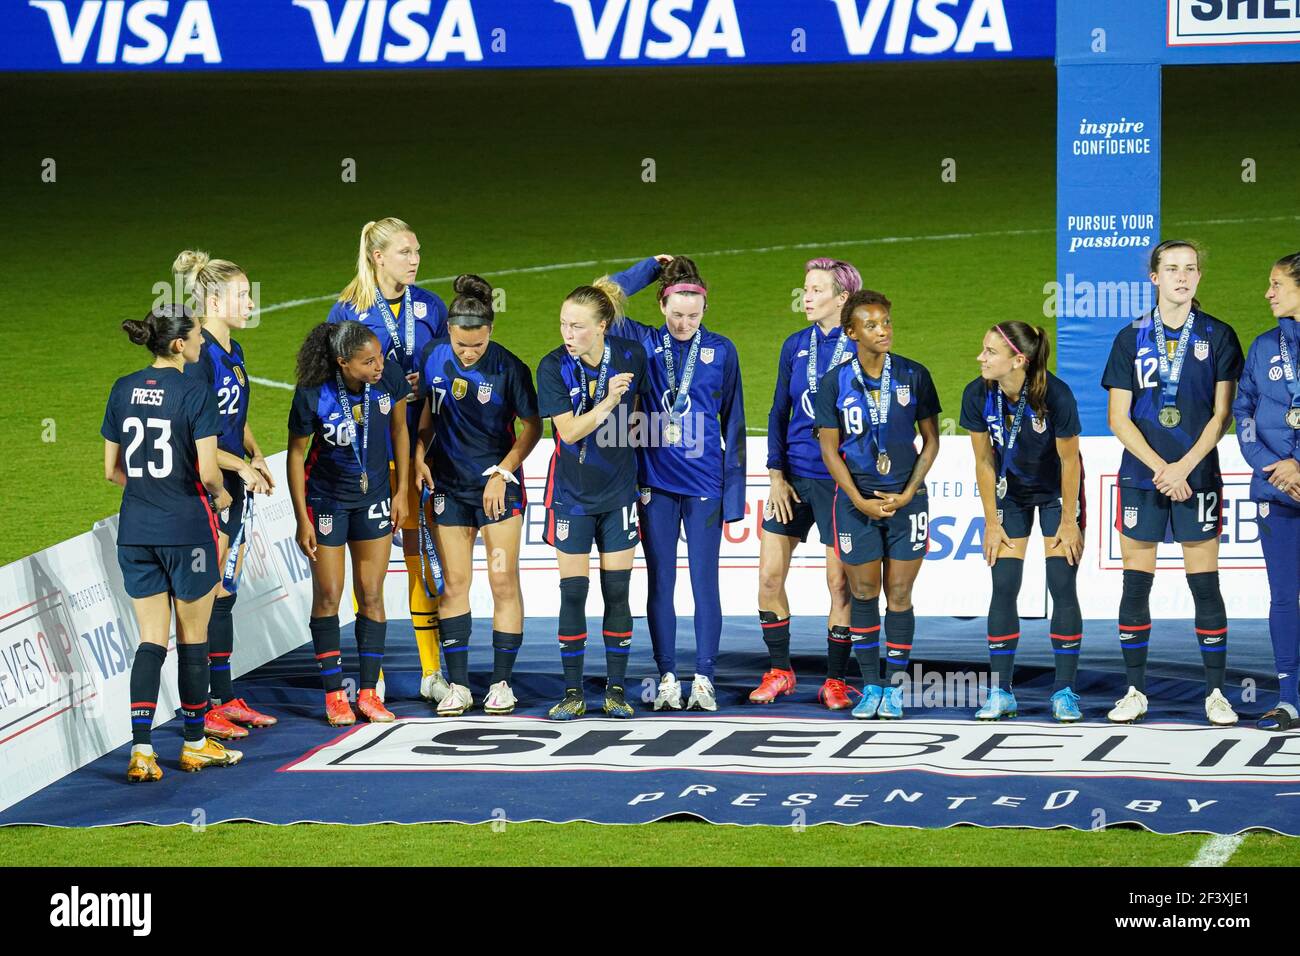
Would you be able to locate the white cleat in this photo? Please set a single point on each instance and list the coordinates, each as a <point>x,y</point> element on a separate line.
<point>1131,707</point>
<point>702,695</point>
<point>434,687</point>
<point>379,689</point>
<point>1219,711</point>
<point>670,693</point>
<point>455,702</point>
<point>500,699</point>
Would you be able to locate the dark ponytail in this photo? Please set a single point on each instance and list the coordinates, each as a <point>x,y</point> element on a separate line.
<point>680,270</point>
<point>1291,266</point>
<point>324,346</point>
<point>157,330</point>
<point>472,307</point>
<point>1035,346</point>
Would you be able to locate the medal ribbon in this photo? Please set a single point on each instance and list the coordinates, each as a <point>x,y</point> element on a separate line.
<point>879,413</point>
<point>358,450</point>
<point>1288,368</point>
<point>601,382</point>
<point>1170,374</point>
<point>428,553</point>
<point>680,395</point>
<point>1010,440</point>
<point>229,579</point>
<point>841,345</point>
<point>406,345</point>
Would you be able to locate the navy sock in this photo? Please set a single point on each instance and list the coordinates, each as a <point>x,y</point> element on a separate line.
<point>221,642</point>
<point>370,648</point>
<point>1004,619</point>
<point>325,642</point>
<point>192,683</point>
<point>573,630</point>
<point>1067,620</point>
<point>617,625</point>
<point>454,634</point>
<point>900,627</point>
<point>864,630</point>
<point>146,678</point>
<point>1211,627</point>
<point>505,647</point>
<point>1135,625</point>
<point>776,635</point>
<point>839,645</point>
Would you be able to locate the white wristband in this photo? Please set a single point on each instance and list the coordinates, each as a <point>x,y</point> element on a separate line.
<point>498,470</point>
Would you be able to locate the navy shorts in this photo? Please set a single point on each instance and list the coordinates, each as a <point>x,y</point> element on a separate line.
<point>1144,514</point>
<point>229,520</point>
<point>816,505</point>
<point>612,531</point>
<point>453,510</point>
<point>903,536</point>
<point>338,524</point>
<point>1018,518</point>
<point>186,571</point>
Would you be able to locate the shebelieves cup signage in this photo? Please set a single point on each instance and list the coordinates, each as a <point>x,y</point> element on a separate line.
<point>1231,22</point>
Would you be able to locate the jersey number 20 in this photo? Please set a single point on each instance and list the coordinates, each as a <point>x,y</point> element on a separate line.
<point>161,432</point>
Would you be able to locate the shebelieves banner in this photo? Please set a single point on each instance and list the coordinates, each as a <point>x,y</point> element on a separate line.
<point>351,34</point>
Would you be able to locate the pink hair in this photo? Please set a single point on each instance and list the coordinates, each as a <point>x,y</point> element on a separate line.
<point>845,276</point>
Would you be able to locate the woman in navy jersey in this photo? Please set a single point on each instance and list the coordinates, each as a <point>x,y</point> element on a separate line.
<point>405,318</point>
<point>348,407</point>
<point>221,295</point>
<point>1172,375</point>
<point>589,388</point>
<point>470,457</point>
<point>802,491</point>
<point>869,411</point>
<point>1024,426</point>
<point>160,444</point>
<point>1267,410</point>
<point>692,470</point>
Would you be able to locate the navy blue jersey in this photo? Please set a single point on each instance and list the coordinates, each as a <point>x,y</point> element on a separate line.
<point>841,403</point>
<point>1213,355</point>
<point>606,479</point>
<point>332,469</point>
<point>1260,409</point>
<point>791,444</point>
<point>474,411</point>
<point>158,415</point>
<point>225,373</point>
<point>711,464</point>
<point>1034,472</point>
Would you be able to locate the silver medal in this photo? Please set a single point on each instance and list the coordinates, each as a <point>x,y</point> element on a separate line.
<point>1170,417</point>
<point>672,433</point>
<point>1002,487</point>
<point>1293,418</point>
<point>365,483</point>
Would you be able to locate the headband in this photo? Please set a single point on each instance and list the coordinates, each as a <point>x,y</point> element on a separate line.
<point>472,321</point>
<point>685,287</point>
<point>1008,341</point>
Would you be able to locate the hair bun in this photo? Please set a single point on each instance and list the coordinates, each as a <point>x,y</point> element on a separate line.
<point>473,286</point>
<point>139,332</point>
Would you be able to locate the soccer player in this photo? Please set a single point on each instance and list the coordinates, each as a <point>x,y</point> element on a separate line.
<point>589,387</point>
<point>349,406</point>
<point>869,410</point>
<point>1024,426</point>
<point>405,319</point>
<point>1171,376</point>
<point>220,293</point>
<point>160,444</point>
<point>802,491</point>
<point>472,392</point>
<point>692,470</point>
<point>1267,410</point>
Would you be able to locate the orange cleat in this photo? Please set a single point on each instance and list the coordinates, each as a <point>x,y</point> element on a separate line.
<point>237,711</point>
<point>835,694</point>
<point>373,709</point>
<point>143,768</point>
<point>337,709</point>
<point>215,724</point>
<point>775,683</point>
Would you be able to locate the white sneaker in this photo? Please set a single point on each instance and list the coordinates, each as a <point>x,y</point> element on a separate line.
<point>434,687</point>
<point>455,701</point>
<point>1219,711</point>
<point>670,693</point>
<point>702,695</point>
<point>1132,706</point>
<point>500,699</point>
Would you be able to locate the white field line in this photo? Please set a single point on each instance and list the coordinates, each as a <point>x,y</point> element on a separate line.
<point>1218,850</point>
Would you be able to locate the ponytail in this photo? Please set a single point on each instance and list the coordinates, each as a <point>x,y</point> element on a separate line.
<point>376,236</point>
<point>1036,348</point>
<point>606,298</point>
<point>157,330</point>
<point>324,346</point>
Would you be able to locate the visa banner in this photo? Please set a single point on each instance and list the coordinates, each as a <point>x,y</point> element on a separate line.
<point>375,34</point>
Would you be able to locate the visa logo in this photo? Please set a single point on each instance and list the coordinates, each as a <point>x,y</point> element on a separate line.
<point>408,20</point>
<point>163,34</point>
<point>985,22</point>
<point>718,28</point>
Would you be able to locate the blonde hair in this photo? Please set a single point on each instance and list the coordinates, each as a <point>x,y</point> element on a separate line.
<point>202,276</point>
<point>361,292</point>
<point>617,299</point>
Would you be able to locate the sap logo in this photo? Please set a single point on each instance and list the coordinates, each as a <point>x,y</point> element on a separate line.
<point>455,31</point>
<point>192,33</point>
<point>985,23</point>
<point>718,29</point>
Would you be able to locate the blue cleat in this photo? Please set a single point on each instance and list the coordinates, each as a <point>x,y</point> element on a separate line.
<point>1065,706</point>
<point>866,708</point>
<point>1282,717</point>
<point>891,704</point>
<point>572,707</point>
<point>1001,703</point>
<point>616,704</point>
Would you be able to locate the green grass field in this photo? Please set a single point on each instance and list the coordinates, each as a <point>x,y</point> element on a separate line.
<point>513,175</point>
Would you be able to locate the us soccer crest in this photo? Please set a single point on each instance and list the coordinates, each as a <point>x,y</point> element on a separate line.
<point>1130,517</point>
<point>484,392</point>
<point>385,403</point>
<point>325,523</point>
<point>645,496</point>
<point>706,356</point>
<point>562,530</point>
<point>240,377</point>
<point>1040,424</point>
<point>1201,350</point>
<point>421,309</point>
<point>459,388</point>
<point>1263,509</point>
<point>904,395</point>
<point>846,542</point>
<point>439,503</point>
